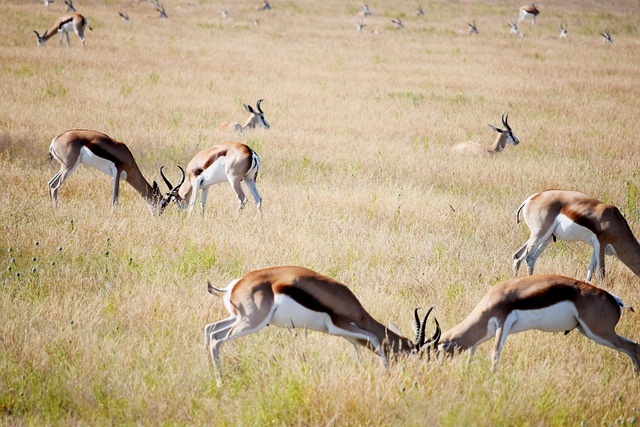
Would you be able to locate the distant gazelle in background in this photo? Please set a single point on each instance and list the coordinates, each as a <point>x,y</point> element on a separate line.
<point>529,11</point>
<point>564,34</point>
<point>547,303</point>
<point>231,162</point>
<point>514,29</point>
<point>255,120</point>
<point>72,22</point>
<point>398,23</point>
<point>606,38</point>
<point>419,11</point>
<point>295,297</point>
<point>573,216</point>
<point>99,151</point>
<point>504,137</point>
<point>70,6</point>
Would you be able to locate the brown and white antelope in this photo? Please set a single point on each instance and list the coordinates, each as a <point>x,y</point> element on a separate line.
<point>529,11</point>
<point>573,216</point>
<point>72,22</point>
<point>255,120</point>
<point>99,151</point>
<point>544,302</point>
<point>296,297</point>
<point>504,137</point>
<point>564,33</point>
<point>230,161</point>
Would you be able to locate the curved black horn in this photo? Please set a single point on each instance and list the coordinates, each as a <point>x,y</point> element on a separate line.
<point>164,178</point>
<point>505,118</point>
<point>181,180</point>
<point>436,336</point>
<point>258,106</point>
<point>416,325</point>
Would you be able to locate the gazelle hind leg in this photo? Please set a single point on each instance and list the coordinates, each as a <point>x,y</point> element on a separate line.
<point>217,327</point>
<point>535,253</point>
<point>237,188</point>
<point>251,184</point>
<point>615,341</point>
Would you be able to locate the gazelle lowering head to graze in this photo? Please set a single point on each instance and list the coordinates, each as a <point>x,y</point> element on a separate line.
<point>573,216</point>
<point>255,120</point>
<point>529,11</point>
<point>101,152</point>
<point>514,29</point>
<point>72,22</point>
<point>505,136</point>
<point>230,161</point>
<point>295,297</point>
<point>544,302</point>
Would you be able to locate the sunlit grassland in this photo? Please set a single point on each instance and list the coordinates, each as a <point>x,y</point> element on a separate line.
<point>102,313</point>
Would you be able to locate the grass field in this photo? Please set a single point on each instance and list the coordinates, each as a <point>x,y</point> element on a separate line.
<point>102,313</point>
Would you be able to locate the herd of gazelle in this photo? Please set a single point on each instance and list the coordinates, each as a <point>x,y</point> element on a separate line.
<point>295,297</point>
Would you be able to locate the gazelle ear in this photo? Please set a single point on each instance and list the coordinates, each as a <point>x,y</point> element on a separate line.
<point>496,129</point>
<point>248,108</point>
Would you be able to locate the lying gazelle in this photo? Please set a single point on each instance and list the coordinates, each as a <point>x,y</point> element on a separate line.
<point>564,34</point>
<point>229,161</point>
<point>529,11</point>
<point>573,216</point>
<point>295,297</point>
<point>398,23</point>
<point>256,119</point>
<point>504,137</point>
<point>544,302</point>
<point>99,151</point>
<point>72,22</point>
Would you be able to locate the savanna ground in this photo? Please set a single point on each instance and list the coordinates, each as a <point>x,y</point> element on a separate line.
<point>102,313</point>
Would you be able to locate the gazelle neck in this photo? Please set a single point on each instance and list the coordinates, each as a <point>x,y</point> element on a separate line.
<point>628,251</point>
<point>499,143</point>
<point>138,181</point>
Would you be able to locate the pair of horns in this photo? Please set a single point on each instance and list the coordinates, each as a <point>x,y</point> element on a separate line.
<point>172,189</point>
<point>420,328</point>
<point>505,118</point>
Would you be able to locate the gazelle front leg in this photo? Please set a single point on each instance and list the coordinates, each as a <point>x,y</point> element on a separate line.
<point>203,198</point>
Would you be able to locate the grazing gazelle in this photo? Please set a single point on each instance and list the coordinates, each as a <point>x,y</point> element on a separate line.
<point>255,120</point>
<point>545,302</point>
<point>529,11</point>
<point>573,216</point>
<point>72,22</point>
<point>296,297</point>
<point>514,29</point>
<point>606,38</point>
<point>112,157</point>
<point>504,137</point>
<point>230,161</point>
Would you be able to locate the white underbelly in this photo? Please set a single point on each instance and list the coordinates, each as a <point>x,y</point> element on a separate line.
<point>559,317</point>
<point>107,166</point>
<point>289,314</point>
<point>569,231</point>
<point>215,173</point>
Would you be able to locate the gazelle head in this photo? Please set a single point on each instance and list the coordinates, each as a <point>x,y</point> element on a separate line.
<point>173,191</point>
<point>507,132</point>
<point>514,29</point>
<point>606,37</point>
<point>257,119</point>
<point>564,34</point>
<point>41,38</point>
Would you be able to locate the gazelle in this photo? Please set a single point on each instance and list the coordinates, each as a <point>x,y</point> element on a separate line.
<point>504,137</point>
<point>256,119</point>
<point>230,161</point>
<point>573,216</point>
<point>529,11</point>
<point>606,38</point>
<point>419,11</point>
<point>159,8</point>
<point>72,22</point>
<point>514,29</point>
<point>472,28</point>
<point>564,34</point>
<point>545,302</point>
<point>398,23</point>
<point>296,297</point>
<point>70,6</point>
<point>101,152</point>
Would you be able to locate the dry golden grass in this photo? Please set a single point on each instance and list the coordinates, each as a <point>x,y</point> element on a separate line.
<point>102,312</point>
